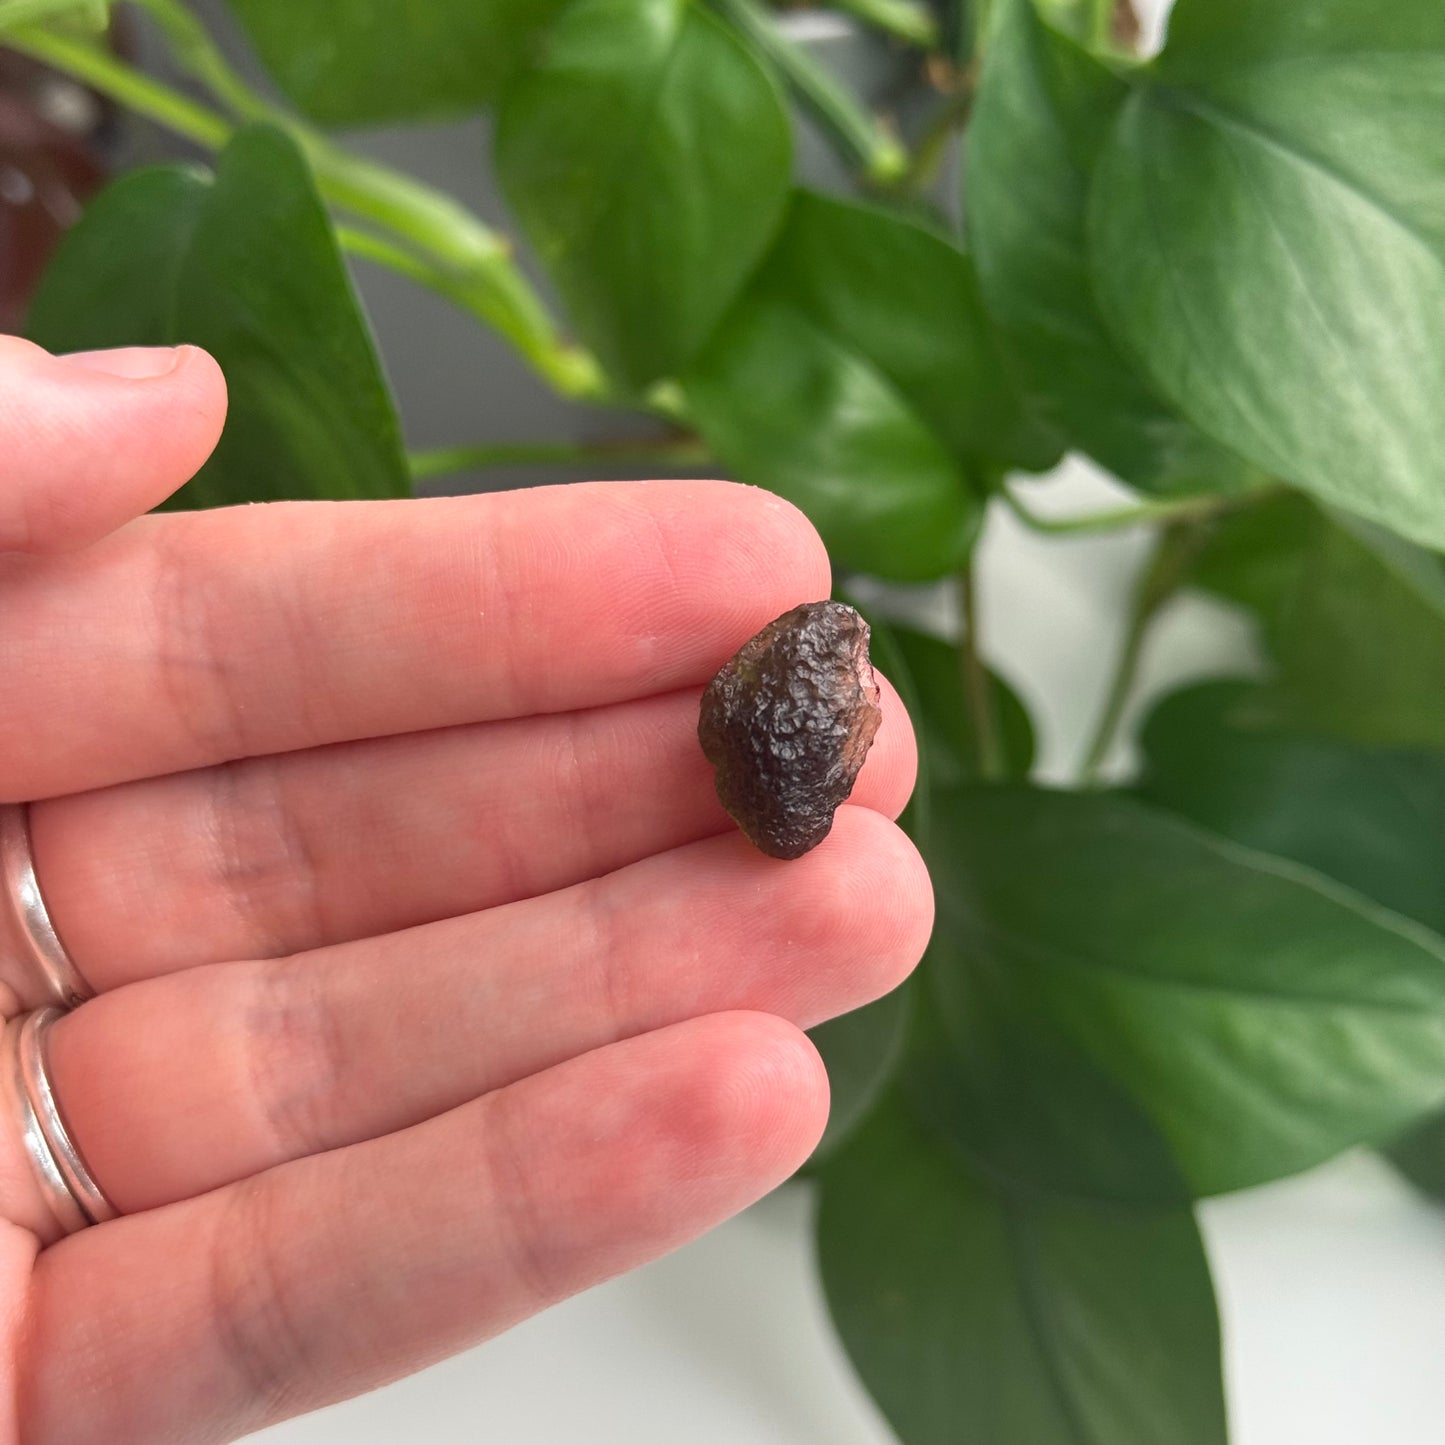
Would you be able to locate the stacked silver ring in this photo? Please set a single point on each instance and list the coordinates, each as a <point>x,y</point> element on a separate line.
<point>39,971</point>
<point>44,956</point>
<point>72,1195</point>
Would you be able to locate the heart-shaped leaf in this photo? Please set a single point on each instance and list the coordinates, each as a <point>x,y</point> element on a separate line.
<point>978,1311</point>
<point>877,404</point>
<point>908,299</point>
<point>1372,818</point>
<point>1267,237</point>
<point>647,156</point>
<point>1262,1015</point>
<point>244,263</point>
<point>1043,107</point>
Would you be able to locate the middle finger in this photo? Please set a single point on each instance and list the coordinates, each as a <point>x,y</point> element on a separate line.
<point>279,855</point>
<point>178,1085</point>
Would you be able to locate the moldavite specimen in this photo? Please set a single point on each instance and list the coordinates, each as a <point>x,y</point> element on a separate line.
<point>787,723</point>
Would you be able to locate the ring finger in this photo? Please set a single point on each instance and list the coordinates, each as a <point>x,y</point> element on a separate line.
<point>177,1085</point>
<point>278,855</point>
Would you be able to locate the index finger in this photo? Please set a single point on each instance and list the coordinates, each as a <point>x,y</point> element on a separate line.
<point>197,638</point>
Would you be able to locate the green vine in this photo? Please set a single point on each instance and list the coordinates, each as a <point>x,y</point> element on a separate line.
<point>442,245</point>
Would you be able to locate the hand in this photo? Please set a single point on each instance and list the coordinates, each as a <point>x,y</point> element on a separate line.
<point>434,985</point>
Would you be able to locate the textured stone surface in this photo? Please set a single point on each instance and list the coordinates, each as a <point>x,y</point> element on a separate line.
<point>787,723</point>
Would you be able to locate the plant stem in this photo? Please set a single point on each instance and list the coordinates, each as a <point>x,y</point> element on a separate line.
<point>478,273</point>
<point>572,371</point>
<point>683,450</point>
<point>468,262</point>
<point>863,143</point>
<point>978,687</point>
<point>428,219</point>
<point>1165,572</point>
<point>905,19</point>
<point>100,70</point>
<point>1099,24</point>
<point>15,13</point>
<point>932,147</point>
<point>194,49</point>
<point>1176,509</point>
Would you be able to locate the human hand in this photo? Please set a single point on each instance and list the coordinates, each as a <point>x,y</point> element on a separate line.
<point>433,983</point>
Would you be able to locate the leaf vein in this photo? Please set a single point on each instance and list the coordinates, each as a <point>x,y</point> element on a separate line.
<point>1039,952</point>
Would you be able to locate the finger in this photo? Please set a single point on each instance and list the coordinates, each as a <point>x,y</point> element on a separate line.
<point>275,856</point>
<point>328,1277</point>
<point>195,638</point>
<point>90,440</point>
<point>284,1059</point>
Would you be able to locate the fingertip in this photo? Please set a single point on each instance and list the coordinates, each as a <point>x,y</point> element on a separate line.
<point>200,400</point>
<point>761,549</point>
<point>797,541</point>
<point>862,903</point>
<point>889,773</point>
<point>769,1088</point>
<point>95,438</point>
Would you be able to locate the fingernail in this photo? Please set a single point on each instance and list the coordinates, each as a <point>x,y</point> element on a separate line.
<point>135,363</point>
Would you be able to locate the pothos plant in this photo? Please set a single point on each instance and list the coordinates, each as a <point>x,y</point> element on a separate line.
<point>1220,273</point>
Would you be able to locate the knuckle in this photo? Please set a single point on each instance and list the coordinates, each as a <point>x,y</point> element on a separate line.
<point>259,1331</point>
<point>298,1064</point>
<point>610,962</point>
<point>267,866</point>
<point>193,675</point>
<point>586,793</point>
<point>518,1211</point>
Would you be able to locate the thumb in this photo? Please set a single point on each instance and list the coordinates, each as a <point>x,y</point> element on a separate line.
<point>90,440</point>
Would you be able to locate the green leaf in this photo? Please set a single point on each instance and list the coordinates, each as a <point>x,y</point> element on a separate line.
<point>1353,617</point>
<point>993,1071</point>
<point>1370,818</point>
<point>860,377</point>
<point>357,62</point>
<point>1043,108</point>
<point>976,1311</point>
<point>246,265</point>
<point>1209,38</point>
<point>908,299</point>
<point>647,155</point>
<point>1268,237</point>
<point>1256,555</point>
<point>1420,1156</point>
<point>860,1051</point>
<point>942,718</point>
<point>1361,640</point>
<point>863,1049</point>
<point>1264,1017</point>
<point>786,407</point>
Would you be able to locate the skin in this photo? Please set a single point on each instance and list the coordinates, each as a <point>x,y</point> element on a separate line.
<point>434,984</point>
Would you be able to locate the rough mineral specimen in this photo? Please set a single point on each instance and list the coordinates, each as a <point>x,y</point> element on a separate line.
<point>787,723</point>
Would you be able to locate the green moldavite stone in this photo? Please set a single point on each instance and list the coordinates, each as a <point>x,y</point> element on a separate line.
<point>787,722</point>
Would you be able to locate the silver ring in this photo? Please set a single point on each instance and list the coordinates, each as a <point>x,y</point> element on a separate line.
<point>71,1193</point>
<point>43,952</point>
